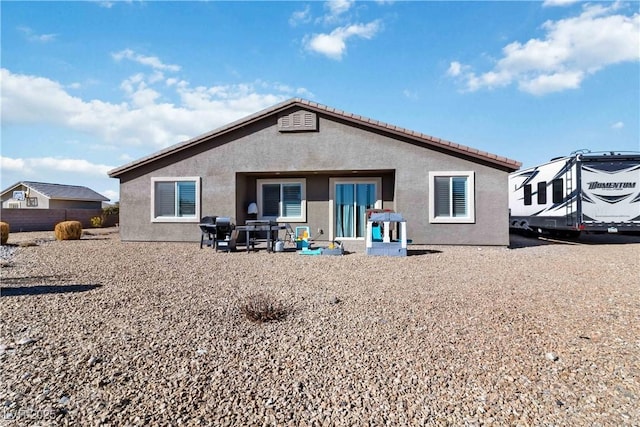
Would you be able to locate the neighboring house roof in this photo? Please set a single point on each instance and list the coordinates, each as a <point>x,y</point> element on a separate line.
<point>61,191</point>
<point>427,140</point>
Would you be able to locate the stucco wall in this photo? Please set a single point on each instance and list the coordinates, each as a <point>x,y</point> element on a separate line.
<point>226,164</point>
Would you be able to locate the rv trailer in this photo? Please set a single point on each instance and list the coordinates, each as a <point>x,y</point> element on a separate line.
<point>598,192</point>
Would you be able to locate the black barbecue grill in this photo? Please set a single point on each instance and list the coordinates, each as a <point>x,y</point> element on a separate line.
<point>217,232</point>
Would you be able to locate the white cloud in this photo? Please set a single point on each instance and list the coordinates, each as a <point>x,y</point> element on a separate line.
<point>32,36</point>
<point>51,164</point>
<point>110,194</point>
<point>455,68</point>
<point>547,83</point>
<point>108,4</point>
<point>334,45</point>
<point>571,50</point>
<point>337,8</point>
<point>552,3</point>
<point>9,164</point>
<point>617,125</point>
<point>151,61</point>
<point>143,120</point>
<point>304,93</point>
<point>59,170</point>
<point>138,91</point>
<point>300,17</point>
<point>410,94</point>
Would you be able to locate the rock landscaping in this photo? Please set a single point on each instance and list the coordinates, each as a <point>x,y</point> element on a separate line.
<point>102,332</point>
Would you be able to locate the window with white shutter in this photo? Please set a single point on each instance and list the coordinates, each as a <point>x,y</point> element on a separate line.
<point>451,197</point>
<point>175,199</point>
<point>282,199</point>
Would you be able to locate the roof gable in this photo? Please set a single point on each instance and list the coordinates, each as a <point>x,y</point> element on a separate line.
<point>313,107</point>
<point>61,191</point>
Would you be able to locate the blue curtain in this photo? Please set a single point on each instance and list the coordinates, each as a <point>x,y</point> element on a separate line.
<point>344,210</point>
<point>352,202</point>
<point>366,199</point>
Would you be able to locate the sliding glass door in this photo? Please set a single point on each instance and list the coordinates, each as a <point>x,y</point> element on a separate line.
<point>351,200</point>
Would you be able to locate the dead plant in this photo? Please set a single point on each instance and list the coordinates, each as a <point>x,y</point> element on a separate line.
<point>261,308</point>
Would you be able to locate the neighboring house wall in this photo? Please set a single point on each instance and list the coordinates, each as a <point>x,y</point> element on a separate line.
<point>46,219</point>
<point>42,201</point>
<point>46,203</point>
<point>229,165</point>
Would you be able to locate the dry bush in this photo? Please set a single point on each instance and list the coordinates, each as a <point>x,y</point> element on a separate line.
<point>262,308</point>
<point>68,230</point>
<point>4,231</point>
<point>97,221</point>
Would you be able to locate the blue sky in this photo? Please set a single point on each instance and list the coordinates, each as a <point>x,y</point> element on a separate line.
<point>89,86</point>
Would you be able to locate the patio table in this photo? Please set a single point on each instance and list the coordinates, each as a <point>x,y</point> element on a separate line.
<point>254,226</point>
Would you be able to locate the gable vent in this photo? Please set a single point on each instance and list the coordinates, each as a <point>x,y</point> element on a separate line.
<point>298,121</point>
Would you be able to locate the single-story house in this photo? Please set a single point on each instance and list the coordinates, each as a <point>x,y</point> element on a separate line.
<point>42,195</point>
<point>304,163</point>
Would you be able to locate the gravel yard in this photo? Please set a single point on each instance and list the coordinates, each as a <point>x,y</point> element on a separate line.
<point>103,332</point>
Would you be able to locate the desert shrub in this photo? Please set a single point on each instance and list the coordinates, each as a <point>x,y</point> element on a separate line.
<point>262,308</point>
<point>97,221</point>
<point>111,210</point>
<point>68,230</point>
<point>107,216</point>
<point>4,231</point>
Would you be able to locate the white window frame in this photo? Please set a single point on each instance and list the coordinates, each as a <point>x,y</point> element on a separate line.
<point>471,191</point>
<point>195,218</point>
<point>280,181</point>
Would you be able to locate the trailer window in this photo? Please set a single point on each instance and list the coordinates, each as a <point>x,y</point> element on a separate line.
<point>527,194</point>
<point>542,193</point>
<point>557,186</point>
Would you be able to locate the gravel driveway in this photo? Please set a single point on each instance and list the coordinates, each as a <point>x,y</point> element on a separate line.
<point>104,332</point>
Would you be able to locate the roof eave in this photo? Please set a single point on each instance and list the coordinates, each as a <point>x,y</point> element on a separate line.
<point>78,200</point>
<point>499,161</point>
<point>115,173</point>
<point>429,140</point>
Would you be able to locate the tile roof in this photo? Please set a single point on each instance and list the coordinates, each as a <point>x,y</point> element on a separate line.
<point>62,191</point>
<point>498,161</point>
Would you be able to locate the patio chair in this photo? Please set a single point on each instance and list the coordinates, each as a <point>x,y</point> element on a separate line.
<point>289,234</point>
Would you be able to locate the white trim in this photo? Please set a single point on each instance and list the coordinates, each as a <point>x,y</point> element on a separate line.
<point>471,196</point>
<point>195,218</point>
<point>303,202</point>
<point>332,193</point>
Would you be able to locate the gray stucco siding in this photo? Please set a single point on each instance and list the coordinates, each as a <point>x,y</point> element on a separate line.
<point>228,171</point>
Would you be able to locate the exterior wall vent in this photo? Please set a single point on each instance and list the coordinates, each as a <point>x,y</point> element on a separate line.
<point>298,121</point>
